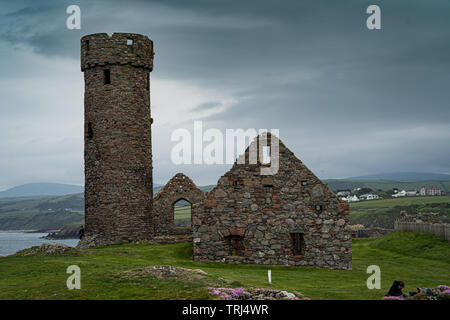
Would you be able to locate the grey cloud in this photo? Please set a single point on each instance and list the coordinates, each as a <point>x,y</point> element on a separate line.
<point>207,106</point>
<point>308,68</point>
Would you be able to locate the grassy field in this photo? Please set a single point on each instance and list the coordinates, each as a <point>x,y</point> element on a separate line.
<point>418,259</point>
<point>182,215</point>
<point>183,212</point>
<point>384,212</point>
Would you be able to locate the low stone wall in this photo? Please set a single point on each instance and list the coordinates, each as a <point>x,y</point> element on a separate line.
<point>438,229</point>
<point>371,232</point>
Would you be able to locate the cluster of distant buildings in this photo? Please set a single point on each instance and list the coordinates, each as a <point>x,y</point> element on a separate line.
<point>424,191</point>
<point>350,195</point>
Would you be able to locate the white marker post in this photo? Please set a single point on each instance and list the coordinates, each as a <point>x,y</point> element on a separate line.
<point>269,275</point>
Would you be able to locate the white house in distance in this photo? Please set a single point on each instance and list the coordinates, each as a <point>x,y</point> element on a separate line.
<point>405,193</point>
<point>430,191</point>
<point>369,196</point>
<point>350,198</point>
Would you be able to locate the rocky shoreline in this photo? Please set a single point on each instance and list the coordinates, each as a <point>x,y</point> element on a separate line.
<point>67,232</point>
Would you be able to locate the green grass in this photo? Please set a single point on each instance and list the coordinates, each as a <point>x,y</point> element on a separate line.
<point>419,260</point>
<point>414,244</point>
<point>183,212</point>
<point>384,212</point>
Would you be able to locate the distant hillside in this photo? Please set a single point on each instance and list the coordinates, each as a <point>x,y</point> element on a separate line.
<point>48,212</point>
<point>41,189</point>
<point>343,184</point>
<point>404,176</point>
<point>41,213</point>
<point>203,188</point>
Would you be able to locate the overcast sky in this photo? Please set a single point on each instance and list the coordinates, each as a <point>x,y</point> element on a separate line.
<point>347,101</point>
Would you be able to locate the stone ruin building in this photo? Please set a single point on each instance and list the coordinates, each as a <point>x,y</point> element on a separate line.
<point>288,217</point>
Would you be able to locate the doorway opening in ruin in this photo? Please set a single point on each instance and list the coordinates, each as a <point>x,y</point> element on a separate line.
<point>235,245</point>
<point>182,210</point>
<point>298,244</point>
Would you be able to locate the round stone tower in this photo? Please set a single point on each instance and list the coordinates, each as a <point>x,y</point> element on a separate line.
<point>117,137</point>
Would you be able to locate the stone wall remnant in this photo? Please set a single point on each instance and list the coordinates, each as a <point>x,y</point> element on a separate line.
<point>180,187</point>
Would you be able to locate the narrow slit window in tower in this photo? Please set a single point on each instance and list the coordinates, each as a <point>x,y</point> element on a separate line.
<point>106,76</point>
<point>90,132</point>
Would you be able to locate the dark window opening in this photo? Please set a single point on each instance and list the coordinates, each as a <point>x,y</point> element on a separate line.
<point>87,45</point>
<point>235,183</point>
<point>319,208</point>
<point>106,76</point>
<point>182,210</point>
<point>298,244</point>
<point>90,132</point>
<point>148,82</point>
<point>235,245</point>
<point>268,188</point>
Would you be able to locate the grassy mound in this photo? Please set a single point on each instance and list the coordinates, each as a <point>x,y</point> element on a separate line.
<point>415,244</point>
<point>383,213</point>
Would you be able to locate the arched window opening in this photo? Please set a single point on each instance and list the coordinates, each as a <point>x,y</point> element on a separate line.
<point>182,213</point>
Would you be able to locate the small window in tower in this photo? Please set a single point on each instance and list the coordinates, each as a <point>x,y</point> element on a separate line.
<point>106,76</point>
<point>304,183</point>
<point>319,208</point>
<point>268,188</point>
<point>129,42</point>
<point>87,45</point>
<point>236,183</point>
<point>298,244</point>
<point>148,82</point>
<point>90,131</point>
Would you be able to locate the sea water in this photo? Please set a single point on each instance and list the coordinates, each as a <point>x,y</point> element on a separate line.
<point>11,242</point>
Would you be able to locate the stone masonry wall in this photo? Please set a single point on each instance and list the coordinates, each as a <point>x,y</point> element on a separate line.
<point>179,187</point>
<point>118,158</point>
<point>252,218</point>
